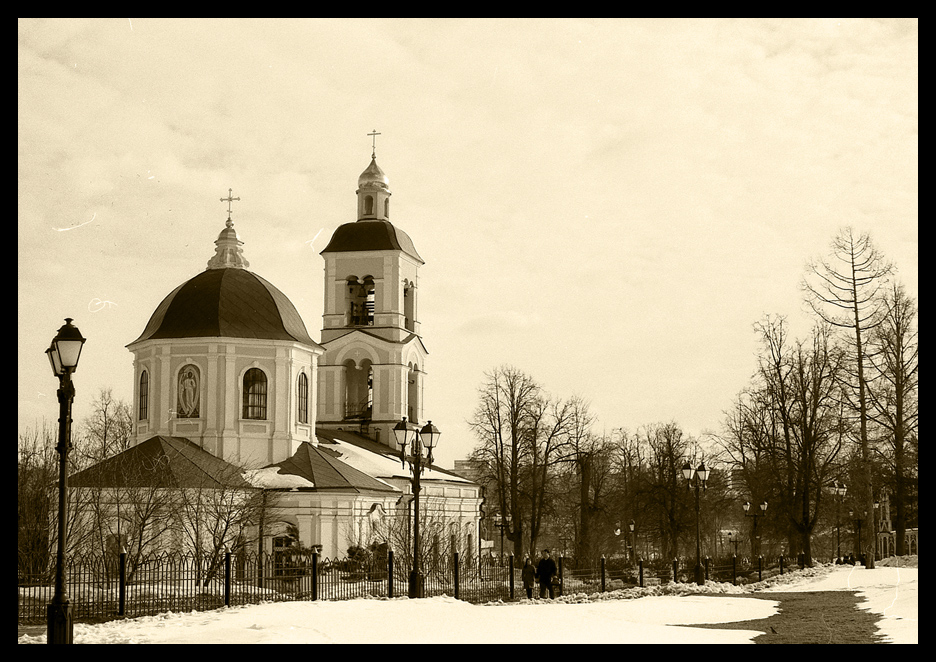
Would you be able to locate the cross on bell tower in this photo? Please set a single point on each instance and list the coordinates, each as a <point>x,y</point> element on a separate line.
<point>374,135</point>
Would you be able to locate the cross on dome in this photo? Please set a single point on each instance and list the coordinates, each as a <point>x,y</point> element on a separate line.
<point>229,200</point>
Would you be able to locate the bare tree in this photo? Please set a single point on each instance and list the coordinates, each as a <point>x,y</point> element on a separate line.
<point>36,476</point>
<point>666,449</point>
<point>894,404</point>
<point>107,431</point>
<point>217,515</point>
<point>847,292</point>
<point>549,423</point>
<point>501,423</point>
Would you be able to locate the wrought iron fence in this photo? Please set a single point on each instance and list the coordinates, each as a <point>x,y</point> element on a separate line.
<point>108,587</point>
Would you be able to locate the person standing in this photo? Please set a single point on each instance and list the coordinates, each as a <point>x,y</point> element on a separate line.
<point>528,576</point>
<point>545,571</point>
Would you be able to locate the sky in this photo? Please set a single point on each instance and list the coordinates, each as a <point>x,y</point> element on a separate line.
<point>890,592</point>
<point>606,205</point>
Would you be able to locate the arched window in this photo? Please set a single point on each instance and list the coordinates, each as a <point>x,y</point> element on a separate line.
<point>144,396</point>
<point>255,394</point>
<point>303,390</point>
<point>386,208</point>
<point>368,205</point>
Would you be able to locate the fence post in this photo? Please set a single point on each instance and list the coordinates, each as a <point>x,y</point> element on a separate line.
<point>640,569</point>
<point>781,564</point>
<point>122,582</point>
<point>602,573</point>
<point>734,569</point>
<point>511,577</point>
<point>315,575</point>
<point>675,569</point>
<point>560,576</point>
<point>227,577</point>
<point>389,573</point>
<point>706,568</point>
<point>760,568</point>
<point>456,575</point>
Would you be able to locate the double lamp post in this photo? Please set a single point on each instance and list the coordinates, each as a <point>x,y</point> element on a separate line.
<point>412,440</point>
<point>63,356</point>
<point>701,475</point>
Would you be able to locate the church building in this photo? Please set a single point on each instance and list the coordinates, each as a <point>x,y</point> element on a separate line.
<point>228,381</point>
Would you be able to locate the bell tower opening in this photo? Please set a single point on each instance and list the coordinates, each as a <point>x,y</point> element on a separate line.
<point>360,298</point>
<point>359,390</point>
<point>413,408</point>
<point>409,306</point>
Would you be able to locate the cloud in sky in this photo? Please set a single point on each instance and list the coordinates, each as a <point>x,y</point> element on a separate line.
<point>609,205</point>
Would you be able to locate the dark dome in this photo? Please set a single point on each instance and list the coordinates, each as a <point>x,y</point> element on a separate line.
<point>371,236</point>
<point>231,302</point>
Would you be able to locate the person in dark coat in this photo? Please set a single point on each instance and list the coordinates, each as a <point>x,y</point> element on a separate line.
<point>528,576</point>
<point>545,571</point>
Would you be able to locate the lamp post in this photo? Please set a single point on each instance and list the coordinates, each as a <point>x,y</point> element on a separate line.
<point>755,515</point>
<point>411,441</point>
<point>701,475</point>
<point>631,525</point>
<point>733,540</point>
<point>63,356</point>
<point>839,491</point>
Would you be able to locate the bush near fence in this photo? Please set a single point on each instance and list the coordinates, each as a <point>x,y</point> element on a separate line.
<point>104,588</point>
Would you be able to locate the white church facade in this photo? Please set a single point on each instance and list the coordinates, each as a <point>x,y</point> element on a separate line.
<point>225,372</point>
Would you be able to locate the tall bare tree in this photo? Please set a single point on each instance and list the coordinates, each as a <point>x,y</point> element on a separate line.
<point>550,420</point>
<point>501,423</point>
<point>847,291</point>
<point>894,404</point>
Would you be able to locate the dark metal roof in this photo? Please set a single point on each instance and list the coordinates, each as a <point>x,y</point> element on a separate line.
<point>323,469</point>
<point>171,462</point>
<point>371,235</point>
<point>231,302</point>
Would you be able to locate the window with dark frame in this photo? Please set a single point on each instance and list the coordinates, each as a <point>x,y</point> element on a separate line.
<point>144,396</point>
<point>303,398</point>
<point>255,395</point>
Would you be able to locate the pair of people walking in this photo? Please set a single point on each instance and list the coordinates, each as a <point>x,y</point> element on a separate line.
<point>545,573</point>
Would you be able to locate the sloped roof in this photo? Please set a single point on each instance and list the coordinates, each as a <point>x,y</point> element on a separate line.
<point>162,462</point>
<point>229,302</point>
<point>371,235</point>
<point>325,471</point>
<point>377,459</point>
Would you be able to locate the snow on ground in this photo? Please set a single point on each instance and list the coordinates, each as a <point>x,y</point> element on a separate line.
<point>662,614</point>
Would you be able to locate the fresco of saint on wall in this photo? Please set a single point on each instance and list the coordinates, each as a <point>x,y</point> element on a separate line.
<point>188,392</point>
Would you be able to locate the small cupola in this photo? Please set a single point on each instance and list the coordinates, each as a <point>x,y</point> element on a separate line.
<point>373,191</point>
<point>228,251</point>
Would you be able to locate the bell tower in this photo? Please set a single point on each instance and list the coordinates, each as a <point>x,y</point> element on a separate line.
<point>373,369</point>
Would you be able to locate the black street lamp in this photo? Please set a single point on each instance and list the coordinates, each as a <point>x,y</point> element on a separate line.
<point>755,515</point>
<point>411,441</point>
<point>701,475</point>
<point>733,540</point>
<point>632,524</point>
<point>839,491</point>
<point>63,356</point>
